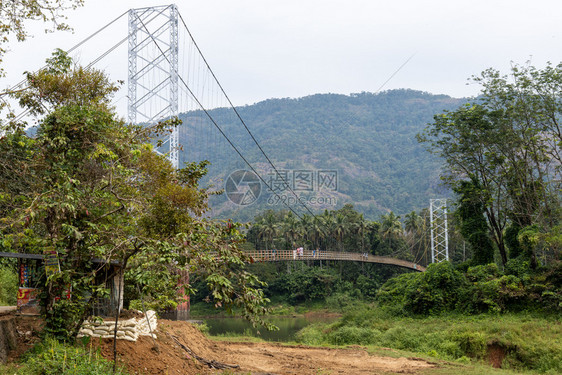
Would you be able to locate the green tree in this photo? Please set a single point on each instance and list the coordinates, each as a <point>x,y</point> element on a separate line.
<point>305,225</point>
<point>361,229</point>
<point>465,140</point>
<point>416,233</point>
<point>90,186</point>
<point>329,223</point>
<point>267,228</point>
<point>509,141</point>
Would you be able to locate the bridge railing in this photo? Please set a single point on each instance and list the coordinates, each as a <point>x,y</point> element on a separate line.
<point>294,255</point>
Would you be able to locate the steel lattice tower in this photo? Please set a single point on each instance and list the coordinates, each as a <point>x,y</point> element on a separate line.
<point>439,237</point>
<point>153,70</point>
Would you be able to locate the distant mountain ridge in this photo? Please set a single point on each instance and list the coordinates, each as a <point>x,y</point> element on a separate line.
<point>367,139</point>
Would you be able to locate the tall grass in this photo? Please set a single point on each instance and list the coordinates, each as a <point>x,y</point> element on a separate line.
<point>50,357</point>
<point>528,342</point>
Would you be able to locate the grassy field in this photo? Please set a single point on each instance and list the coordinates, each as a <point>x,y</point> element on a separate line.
<point>516,341</point>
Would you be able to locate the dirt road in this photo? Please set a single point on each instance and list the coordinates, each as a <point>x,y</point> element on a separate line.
<point>266,358</point>
<point>182,349</point>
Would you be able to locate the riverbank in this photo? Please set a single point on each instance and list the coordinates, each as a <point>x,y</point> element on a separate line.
<point>523,342</point>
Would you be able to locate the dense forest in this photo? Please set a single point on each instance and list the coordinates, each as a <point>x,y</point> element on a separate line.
<point>367,139</point>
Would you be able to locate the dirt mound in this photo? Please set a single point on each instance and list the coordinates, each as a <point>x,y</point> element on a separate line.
<point>164,355</point>
<point>181,348</point>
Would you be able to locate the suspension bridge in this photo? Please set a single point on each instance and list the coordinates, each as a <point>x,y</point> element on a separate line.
<point>168,76</point>
<point>321,255</point>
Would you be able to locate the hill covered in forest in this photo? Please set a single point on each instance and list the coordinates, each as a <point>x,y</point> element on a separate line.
<point>365,142</point>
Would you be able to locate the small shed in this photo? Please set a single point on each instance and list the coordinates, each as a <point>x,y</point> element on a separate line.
<point>33,268</point>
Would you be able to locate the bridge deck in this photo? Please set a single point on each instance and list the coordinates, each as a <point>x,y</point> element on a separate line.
<point>283,255</point>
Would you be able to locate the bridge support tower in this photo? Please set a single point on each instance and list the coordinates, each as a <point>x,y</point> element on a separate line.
<point>439,230</point>
<point>153,71</point>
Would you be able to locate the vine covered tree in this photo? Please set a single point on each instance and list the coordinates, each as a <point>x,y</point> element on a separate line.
<point>473,225</point>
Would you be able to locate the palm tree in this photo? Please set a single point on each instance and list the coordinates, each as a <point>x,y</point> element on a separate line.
<point>292,229</point>
<point>413,222</point>
<point>268,229</point>
<point>340,229</point>
<point>305,227</point>
<point>413,225</point>
<point>361,227</point>
<point>317,231</point>
<point>426,236</point>
<point>390,227</point>
<point>329,222</point>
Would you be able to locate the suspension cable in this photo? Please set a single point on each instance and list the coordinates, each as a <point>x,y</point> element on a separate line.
<point>73,48</point>
<point>242,120</point>
<point>218,127</point>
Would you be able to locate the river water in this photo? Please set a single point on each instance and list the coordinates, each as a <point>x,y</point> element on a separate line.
<point>288,327</point>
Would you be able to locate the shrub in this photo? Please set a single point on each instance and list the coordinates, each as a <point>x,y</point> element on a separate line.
<point>52,357</point>
<point>393,294</point>
<point>483,272</point>
<point>483,289</point>
<point>471,343</point>
<point>517,266</point>
<point>8,286</point>
<point>432,292</point>
<point>401,338</point>
<point>437,290</point>
<point>311,335</point>
<point>353,335</point>
<point>340,301</point>
<point>368,286</point>
<point>361,316</point>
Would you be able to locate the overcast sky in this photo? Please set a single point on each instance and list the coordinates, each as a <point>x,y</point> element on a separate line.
<point>263,49</point>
